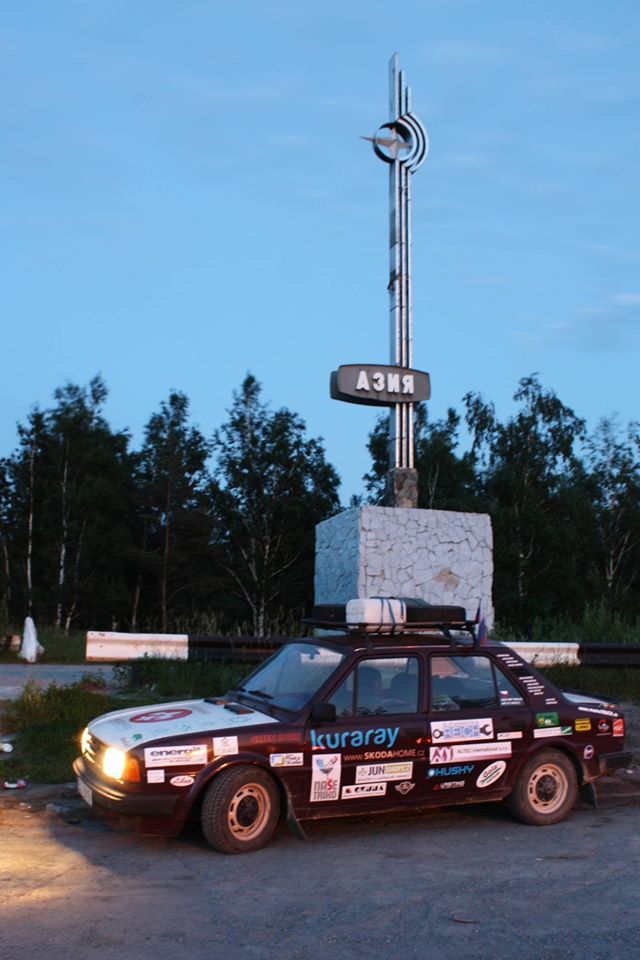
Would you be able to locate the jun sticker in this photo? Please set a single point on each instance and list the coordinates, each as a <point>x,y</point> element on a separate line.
<point>224,745</point>
<point>155,776</point>
<point>286,760</point>
<point>185,755</point>
<point>364,790</point>
<point>384,771</point>
<point>446,731</point>
<point>325,777</point>
<point>469,751</point>
<point>490,774</point>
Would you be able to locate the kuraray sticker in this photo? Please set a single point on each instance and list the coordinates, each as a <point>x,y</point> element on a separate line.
<point>469,751</point>
<point>364,790</point>
<point>384,771</point>
<point>155,776</point>
<point>184,755</point>
<point>446,731</point>
<point>376,736</point>
<point>224,745</point>
<point>490,774</point>
<point>286,760</point>
<point>326,770</point>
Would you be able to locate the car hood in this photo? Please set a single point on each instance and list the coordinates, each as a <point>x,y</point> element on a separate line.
<point>140,725</point>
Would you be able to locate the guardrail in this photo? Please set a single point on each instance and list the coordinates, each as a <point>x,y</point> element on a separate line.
<point>110,647</point>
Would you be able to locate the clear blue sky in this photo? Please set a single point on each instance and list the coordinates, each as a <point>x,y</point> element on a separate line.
<point>185,197</point>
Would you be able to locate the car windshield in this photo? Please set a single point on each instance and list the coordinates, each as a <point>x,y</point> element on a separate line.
<point>292,676</point>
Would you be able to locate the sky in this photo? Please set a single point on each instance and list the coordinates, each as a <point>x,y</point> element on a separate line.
<point>185,198</point>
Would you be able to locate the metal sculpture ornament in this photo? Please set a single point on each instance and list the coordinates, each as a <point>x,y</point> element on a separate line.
<point>403,144</point>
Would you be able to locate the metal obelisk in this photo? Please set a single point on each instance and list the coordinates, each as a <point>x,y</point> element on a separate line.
<point>403,144</point>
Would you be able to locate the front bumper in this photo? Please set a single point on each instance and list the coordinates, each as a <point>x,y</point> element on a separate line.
<point>112,798</point>
<point>607,762</point>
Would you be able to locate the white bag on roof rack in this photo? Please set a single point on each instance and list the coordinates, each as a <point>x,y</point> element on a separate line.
<point>376,615</point>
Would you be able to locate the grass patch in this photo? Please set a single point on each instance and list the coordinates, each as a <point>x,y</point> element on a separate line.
<point>59,647</point>
<point>180,678</point>
<point>613,683</point>
<point>49,723</point>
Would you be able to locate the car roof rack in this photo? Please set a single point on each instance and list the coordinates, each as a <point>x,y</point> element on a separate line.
<point>395,618</point>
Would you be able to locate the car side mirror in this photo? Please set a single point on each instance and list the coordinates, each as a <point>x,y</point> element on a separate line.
<point>323,712</point>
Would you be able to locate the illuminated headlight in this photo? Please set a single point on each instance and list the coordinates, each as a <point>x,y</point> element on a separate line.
<point>113,763</point>
<point>84,740</point>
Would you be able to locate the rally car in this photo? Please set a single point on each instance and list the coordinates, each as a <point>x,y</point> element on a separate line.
<point>384,716</point>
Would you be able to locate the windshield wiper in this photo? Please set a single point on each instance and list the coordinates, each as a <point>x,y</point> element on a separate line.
<point>260,693</point>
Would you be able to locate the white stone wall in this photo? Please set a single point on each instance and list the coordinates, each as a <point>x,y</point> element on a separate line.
<point>440,556</point>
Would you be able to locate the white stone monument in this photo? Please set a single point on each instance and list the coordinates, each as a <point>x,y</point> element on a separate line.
<point>441,556</point>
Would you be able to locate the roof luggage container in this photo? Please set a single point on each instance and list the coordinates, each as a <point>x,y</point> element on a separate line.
<point>392,616</point>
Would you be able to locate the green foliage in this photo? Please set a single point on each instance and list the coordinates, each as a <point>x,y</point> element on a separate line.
<point>272,486</point>
<point>618,684</point>
<point>179,678</point>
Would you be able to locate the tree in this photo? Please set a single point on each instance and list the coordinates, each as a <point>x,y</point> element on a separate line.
<point>174,524</point>
<point>446,481</point>
<point>527,473</point>
<point>614,480</point>
<point>272,486</point>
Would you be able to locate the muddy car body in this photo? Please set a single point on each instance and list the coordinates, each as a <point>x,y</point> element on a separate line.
<point>358,724</point>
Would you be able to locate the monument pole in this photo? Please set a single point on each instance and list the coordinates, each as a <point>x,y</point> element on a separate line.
<point>401,143</point>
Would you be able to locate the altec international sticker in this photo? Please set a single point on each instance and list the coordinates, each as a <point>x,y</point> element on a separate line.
<point>469,751</point>
<point>326,771</point>
<point>446,731</point>
<point>176,756</point>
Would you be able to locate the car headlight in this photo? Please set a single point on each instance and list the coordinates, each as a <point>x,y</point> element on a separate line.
<point>113,763</point>
<point>84,740</point>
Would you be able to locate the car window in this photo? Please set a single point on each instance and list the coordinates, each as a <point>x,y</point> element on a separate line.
<point>458,683</point>
<point>380,685</point>
<point>292,675</point>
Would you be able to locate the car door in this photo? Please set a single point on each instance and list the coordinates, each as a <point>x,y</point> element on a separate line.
<point>373,754</point>
<point>479,728</point>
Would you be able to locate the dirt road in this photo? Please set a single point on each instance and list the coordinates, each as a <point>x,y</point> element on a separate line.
<point>468,883</point>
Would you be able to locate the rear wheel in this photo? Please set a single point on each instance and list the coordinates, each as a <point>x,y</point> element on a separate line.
<point>546,790</point>
<point>240,810</point>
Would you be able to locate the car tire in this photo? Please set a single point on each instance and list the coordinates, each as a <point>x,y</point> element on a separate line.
<point>546,789</point>
<point>240,810</point>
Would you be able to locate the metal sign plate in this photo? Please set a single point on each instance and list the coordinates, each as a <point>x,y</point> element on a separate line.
<point>379,386</point>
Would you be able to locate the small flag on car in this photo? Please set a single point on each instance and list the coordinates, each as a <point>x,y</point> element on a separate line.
<point>481,628</point>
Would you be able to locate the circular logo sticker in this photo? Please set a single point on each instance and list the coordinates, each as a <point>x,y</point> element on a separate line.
<point>182,781</point>
<point>491,773</point>
<point>160,716</point>
<point>588,752</point>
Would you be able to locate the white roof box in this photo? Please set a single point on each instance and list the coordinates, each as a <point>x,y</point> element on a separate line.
<point>376,615</point>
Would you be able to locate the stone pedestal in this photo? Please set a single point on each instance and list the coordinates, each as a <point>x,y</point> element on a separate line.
<point>441,556</point>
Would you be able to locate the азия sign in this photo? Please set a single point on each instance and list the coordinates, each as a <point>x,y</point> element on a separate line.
<point>379,386</point>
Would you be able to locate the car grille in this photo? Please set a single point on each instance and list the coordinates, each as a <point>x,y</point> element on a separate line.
<point>95,750</point>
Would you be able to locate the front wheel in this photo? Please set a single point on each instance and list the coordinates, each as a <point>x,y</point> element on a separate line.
<point>546,789</point>
<point>240,810</point>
